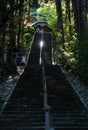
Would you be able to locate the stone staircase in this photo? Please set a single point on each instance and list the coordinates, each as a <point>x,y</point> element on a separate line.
<point>25,108</point>
<point>67,111</point>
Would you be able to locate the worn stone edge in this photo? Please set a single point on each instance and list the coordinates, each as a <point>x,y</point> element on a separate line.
<point>10,94</point>
<point>78,87</point>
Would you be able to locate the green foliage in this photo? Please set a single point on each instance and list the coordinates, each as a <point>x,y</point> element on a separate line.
<point>81,59</point>
<point>28,33</point>
<point>65,58</point>
<point>75,56</point>
<point>75,59</point>
<point>48,12</point>
<point>29,30</point>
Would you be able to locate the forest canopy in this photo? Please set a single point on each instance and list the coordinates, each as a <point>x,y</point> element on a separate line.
<point>68,19</point>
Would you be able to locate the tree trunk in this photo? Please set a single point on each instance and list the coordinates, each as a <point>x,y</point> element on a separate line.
<point>68,16</point>
<point>12,28</point>
<point>60,20</point>
<point>80,16</point>
<point>3,25</point>
<point>12,25</point>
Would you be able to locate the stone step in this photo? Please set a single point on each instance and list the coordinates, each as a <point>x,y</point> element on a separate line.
<point>23,128</point>
<point>70,128</point>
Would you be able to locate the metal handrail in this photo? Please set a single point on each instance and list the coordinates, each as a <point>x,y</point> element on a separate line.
<point>47,108</point>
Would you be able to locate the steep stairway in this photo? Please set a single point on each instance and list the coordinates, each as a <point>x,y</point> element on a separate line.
<point>67,111</point>
<point>43,98</point>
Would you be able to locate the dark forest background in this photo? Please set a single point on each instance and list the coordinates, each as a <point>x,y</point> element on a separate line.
<point>67,18</point>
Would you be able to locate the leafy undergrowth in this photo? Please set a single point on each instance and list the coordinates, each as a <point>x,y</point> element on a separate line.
<point>75,59</point>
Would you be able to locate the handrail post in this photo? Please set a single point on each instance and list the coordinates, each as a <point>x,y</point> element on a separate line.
<point>47,108</point>
<point>48,124</point>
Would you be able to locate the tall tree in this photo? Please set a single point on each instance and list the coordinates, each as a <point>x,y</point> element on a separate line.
<point>19,21</point>
<point>80,16</point>
<point>60,20</point>
<point>3,24</point>
<point>68,16</point>
<point>12,24</point>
